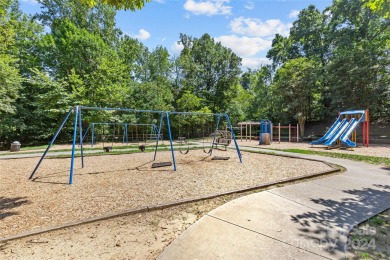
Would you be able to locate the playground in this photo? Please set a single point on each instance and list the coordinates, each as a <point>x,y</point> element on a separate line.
<point>118,182</point>
<point>160,202</point>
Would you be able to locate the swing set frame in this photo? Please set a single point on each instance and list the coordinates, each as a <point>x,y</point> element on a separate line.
<point>77,126</point>
<point>125,138</point>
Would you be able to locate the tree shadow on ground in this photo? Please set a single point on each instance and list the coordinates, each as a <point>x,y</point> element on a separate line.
<point>329,228</point>
<point>386,169</point>
<point>8,204</point>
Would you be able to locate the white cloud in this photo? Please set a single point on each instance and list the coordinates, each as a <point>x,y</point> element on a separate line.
<point>249,5</point>
<point>160,1</point>
<point>293,14</point>
<point>244,46</point>
<point>254,63</point>
<point>176,48</point>
<point>142,35</point>
<point>208,7</point>
<point>256,27</point>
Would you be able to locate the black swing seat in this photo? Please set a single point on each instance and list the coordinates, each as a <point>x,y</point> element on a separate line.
<point>220,158</point>
<point>107,148</point>
<point>161,164</point>
<point>182,140</point>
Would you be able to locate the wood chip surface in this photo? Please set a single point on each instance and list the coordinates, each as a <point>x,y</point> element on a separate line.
<point>112,183</point>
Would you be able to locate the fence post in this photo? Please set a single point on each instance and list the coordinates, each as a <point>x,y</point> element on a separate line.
<point>250,131</point>
<point>241,131</point>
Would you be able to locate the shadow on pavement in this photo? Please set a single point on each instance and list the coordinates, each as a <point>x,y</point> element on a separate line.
<point>329,228</point>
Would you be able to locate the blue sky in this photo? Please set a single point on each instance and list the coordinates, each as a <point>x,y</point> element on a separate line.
<point>246,26</point>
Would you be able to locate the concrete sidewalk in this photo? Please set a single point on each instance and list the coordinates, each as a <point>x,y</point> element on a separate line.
<point>309,220</point>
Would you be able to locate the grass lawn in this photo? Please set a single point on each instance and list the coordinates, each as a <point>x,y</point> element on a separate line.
<point>361,158</point>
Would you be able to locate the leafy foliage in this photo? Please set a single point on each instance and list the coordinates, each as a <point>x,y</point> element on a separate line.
<point>210,70</point>
<point>10,78</point>
<point>333,60</point>
<point>126,4</point>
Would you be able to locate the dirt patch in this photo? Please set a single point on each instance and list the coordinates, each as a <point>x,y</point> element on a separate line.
<point>140,236</point>
<point>114,183</point>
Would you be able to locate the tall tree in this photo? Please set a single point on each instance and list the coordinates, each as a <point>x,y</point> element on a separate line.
<point>283,49</point>
<point>210,70</point>
<point>10,78</point>
<point>295,86</point>
<point>360,60</point>
<point>261,103</point>
<point>97,20</point>
<point>310,34</point>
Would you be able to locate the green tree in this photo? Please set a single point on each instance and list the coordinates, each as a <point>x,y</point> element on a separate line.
<point>310,35</point>
<point>97,20</point>
<point>381,7</point>
<point>209,70</point>
<point>96,74</point>
<point>40,108</point>
<point>10,78</point>
<point>282,49</point>
<point>188,102</point>
<point>359,63</point>
<point>261,106</point>
<point>125,4</point>
<point>295,86</point>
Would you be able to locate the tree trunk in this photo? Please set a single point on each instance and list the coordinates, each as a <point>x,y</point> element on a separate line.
<point>301,121</point>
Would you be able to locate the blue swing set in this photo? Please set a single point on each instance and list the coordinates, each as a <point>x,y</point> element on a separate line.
<point>163,115</point>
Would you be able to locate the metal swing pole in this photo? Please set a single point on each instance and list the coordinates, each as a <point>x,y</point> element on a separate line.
<point>81,139</point>
<point>127,134</point>
<point>51,142</point>
<point>158,136</point>
<point>86,132</point>
<point>73,146</point>
<point>93,135</point>
<point>170,140</point>
<point>215,133</point>
<point>234,138</point>
<point>123,137</point>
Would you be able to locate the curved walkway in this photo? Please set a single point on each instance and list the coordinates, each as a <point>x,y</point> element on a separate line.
<point>309,220</point>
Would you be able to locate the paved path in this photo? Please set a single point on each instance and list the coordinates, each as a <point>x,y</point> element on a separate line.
<point>309,220</point>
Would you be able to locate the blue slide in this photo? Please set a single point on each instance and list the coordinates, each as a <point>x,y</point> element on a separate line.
<point>344,125</point>
<point>345,136</point>
<point>330,132</point>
